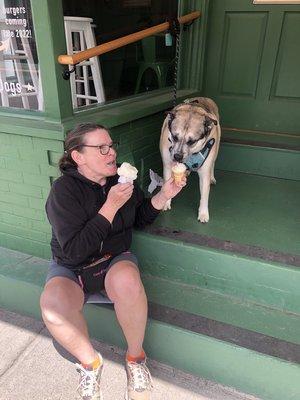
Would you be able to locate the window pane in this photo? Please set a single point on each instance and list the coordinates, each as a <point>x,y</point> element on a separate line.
<point>136,68</point>
<point>20,85</point>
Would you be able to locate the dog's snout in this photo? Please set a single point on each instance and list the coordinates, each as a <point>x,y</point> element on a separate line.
<point>178,157</point>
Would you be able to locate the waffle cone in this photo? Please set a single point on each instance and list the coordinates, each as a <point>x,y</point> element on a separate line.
<point>178,176</point>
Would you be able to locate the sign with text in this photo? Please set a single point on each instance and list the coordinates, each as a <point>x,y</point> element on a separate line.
<point>20,85</point>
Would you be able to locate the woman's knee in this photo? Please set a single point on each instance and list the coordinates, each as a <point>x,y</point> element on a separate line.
<point>59,300</point>
<point>123,282</point>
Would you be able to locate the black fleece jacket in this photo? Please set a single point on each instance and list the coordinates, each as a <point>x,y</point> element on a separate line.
<point>79,234</point>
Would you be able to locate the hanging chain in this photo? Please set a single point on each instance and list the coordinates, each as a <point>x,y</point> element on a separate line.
<point>175,31</point>
<point>176,70</point>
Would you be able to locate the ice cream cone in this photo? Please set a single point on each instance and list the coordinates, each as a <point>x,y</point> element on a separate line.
<point>178,172</point>
<point>178,176</point>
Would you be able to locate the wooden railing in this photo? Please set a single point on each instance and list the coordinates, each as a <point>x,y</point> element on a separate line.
<point>72,59</point>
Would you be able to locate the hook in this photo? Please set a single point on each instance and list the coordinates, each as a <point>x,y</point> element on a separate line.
<point>67,73</point>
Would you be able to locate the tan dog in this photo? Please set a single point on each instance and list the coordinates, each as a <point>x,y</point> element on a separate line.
<point>185,132</point>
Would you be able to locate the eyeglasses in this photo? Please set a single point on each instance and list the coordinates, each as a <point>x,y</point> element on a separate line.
<point>103,148</point>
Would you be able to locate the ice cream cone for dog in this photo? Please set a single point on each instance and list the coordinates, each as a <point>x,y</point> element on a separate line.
<point>178,172</point>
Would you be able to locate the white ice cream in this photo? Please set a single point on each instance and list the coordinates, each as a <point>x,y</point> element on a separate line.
<point>179,168</point>
<point>127,173</point>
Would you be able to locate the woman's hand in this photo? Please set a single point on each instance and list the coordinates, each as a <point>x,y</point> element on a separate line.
<point>168,190</point>
<point>117,196</point>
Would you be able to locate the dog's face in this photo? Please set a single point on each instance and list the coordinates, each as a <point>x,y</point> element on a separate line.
<point>188,131</point>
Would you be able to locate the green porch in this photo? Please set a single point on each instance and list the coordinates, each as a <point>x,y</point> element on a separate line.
<point>224,296</point>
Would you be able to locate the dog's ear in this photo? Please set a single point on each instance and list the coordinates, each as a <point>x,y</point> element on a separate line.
<point>171,116</point>
<point>208,124</point>
<point>191,101</point>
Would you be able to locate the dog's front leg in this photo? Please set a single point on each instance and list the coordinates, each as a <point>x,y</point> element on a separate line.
<point>167,175</point>
<point>204,184</point>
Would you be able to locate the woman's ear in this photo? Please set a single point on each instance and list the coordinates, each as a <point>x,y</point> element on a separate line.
<point>77,157</point>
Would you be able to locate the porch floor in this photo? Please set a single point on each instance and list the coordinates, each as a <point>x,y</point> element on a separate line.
<point>245,209</point>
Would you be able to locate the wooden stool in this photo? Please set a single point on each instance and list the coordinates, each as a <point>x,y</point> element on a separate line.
<point>80,36</point>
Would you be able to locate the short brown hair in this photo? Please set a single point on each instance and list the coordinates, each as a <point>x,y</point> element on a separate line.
<point>74,140</point>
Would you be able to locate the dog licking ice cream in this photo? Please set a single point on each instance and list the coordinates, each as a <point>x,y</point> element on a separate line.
<point>178,172</point>
<point>127,173</point>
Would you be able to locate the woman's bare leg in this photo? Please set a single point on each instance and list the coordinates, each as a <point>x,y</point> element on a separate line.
<point>124,287</point>
<point>61,304</point>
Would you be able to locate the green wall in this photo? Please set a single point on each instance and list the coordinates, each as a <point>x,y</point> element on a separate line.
<point>28,165</point>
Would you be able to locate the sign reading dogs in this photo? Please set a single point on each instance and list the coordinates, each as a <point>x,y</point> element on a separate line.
<point>191,131</point>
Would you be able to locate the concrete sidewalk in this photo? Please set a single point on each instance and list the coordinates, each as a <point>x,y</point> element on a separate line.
<point>31,368</point>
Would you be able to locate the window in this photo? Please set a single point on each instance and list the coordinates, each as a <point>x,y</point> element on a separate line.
<point>136,68</point>
<point>20,86</point>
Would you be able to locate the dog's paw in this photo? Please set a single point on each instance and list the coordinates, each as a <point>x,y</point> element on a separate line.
<point>213,180</point>
<point>167,206</point>
<point>203,216</point>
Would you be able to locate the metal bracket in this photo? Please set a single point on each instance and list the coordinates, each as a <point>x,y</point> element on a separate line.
<point>67,73</point>
<point>187,25</point>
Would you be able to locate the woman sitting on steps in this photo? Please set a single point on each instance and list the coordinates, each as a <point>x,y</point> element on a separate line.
<point>92,217</point>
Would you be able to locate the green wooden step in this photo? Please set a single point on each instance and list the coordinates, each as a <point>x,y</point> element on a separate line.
<point>262,153</point>
<point>254,372</point>
<point>248,279</point>
<point>261,138</point>
<point>226,309</point>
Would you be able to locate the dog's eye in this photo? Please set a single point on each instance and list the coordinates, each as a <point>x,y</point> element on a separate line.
<point>175,138</point>
<point>191,142</point>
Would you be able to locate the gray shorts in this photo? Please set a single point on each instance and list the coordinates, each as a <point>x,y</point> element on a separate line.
<point>59,270</point>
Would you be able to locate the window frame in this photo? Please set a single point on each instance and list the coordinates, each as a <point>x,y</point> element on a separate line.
<point>58,114</point>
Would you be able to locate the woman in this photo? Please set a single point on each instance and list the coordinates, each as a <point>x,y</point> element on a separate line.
<point>92,216</point>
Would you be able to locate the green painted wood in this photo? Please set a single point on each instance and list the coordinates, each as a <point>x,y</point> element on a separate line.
<point>251,70</point>
<point>190,298</point>
<point>129,110</point>
<point>228,274</point>
<point>111,115</point>
<point>192,45</point>
<point>191,352</point>
<point>228,309</point>
<point>266,377</point>
<point>50,39</point>
<point>246,209</point>
<point>274,140</point>
<point>32,127</point>
<point>265,161</point>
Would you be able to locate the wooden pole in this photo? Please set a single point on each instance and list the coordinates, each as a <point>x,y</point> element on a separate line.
<point>73,59</point>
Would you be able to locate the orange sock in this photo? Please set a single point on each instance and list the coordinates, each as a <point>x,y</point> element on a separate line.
<point>93,365</point>
<point>141,357</point>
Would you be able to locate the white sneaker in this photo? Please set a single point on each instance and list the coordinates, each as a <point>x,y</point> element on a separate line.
<point>89,382</point>
<point>139,381</point>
